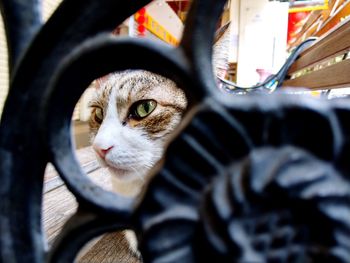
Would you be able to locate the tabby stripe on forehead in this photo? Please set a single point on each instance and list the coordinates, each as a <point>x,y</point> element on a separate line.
<point>126,83</point>
<point>145,91</point>
<point>129,96</point>
<point>107,92</point>
<point>158,123</point>
<point>177,108</point>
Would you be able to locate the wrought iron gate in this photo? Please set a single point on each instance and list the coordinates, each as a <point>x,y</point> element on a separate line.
<point>249,179</point>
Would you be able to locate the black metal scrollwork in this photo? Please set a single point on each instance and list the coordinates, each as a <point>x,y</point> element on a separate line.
<point>249,179</point>
<point>251,182</point>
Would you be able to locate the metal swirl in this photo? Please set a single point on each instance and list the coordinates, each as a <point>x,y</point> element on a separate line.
<point>277,205</point>
<point>34,133</point>
<point>210,200</point>
<point>190,209</point>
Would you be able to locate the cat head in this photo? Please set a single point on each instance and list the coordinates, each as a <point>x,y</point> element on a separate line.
<point>133,114</point>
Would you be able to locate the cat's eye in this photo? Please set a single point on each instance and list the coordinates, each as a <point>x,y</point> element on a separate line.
<point>98,115</point>
<point>144,108</point>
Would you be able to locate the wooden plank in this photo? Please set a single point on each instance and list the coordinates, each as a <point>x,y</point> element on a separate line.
<point>111,248</point>
<point>53,180</point>
<point>333,20</point>
<point>334,76</point>
<point>84,156</point>
<point>310,32</point>
<point>58,206</point>
<point>305,33</point>
<point>334,43</point>
<point>87,160</point>
<point>314,16</point>
<point>58,203</point>
<point>335,5</point>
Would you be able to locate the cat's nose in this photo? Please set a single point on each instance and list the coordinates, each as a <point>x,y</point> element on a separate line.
<point>102,152</point>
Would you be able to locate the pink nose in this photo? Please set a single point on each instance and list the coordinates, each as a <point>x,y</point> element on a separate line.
<point>102,152</point>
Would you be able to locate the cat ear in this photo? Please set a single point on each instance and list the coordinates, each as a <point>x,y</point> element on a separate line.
<point>99,82</point>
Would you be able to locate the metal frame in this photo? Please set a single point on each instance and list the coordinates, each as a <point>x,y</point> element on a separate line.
<point>249,178</point>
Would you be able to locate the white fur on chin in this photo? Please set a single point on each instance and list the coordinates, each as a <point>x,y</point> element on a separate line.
<point>129,188</point>
<point>124,182</point>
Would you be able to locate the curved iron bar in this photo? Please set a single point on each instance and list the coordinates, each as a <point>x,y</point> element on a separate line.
<point>185,208</point>
<point>271,210</point>
<point>59,35</point>
<point>218,138</point>
<point>22,20</point>
<point>74,77</point>
<point>197,42</point>
<point>22,134</point>
<point>78,230</point>
<point>75,74</point>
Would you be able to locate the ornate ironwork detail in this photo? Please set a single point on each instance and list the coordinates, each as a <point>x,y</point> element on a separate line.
<point>252,184</point>
<point>249,178</point>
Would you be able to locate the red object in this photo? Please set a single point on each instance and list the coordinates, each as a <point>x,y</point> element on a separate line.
<point>142,11</point>
<point>293,23</point>
<point>141,29</point>
<point>141,19</point>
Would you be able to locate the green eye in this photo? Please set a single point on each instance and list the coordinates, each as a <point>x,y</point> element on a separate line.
<point>144,108</point>
<point>98,115</point>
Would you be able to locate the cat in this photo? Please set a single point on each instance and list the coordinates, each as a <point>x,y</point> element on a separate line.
<point>133,114</point>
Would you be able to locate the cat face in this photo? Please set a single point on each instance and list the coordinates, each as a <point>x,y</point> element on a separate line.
<point>133,114</point>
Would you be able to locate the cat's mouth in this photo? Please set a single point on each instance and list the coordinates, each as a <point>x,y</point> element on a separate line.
<point>119,172</point>
<point>113,169</point>
<point>111,166</point>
